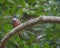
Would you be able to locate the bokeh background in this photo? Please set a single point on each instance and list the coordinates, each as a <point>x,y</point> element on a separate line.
<point>39,36</point>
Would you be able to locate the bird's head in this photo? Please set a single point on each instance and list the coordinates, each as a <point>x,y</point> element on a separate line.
<point>14,18</point>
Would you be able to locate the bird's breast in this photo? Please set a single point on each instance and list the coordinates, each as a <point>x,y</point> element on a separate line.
<point>15,24</point>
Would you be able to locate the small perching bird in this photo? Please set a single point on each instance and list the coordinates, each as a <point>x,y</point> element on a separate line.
<point>15,23</point>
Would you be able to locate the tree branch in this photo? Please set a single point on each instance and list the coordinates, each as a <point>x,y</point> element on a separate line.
<point>41,19</point>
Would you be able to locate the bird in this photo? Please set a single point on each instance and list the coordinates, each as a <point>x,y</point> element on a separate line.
<point>15,23</point>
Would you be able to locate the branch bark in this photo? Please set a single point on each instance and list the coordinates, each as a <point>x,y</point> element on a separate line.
<point>41,19</point>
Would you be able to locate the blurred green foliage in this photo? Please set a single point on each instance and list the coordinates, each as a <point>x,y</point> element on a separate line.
<point>26,9</point>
